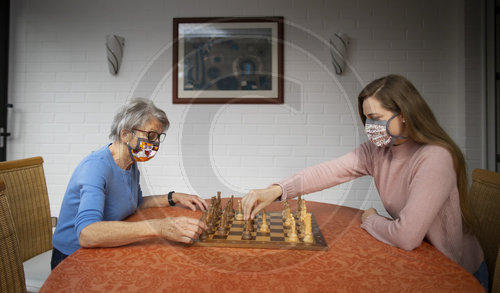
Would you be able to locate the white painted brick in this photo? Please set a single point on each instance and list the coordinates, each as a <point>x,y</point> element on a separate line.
<point>290,119</point>
<point>258,140</point>
<point>323,140</point>
<point>259,119</point>
<point>69,97</point>
<point>291,140</point>
<point>68,118</point>
<point>54,108</point>
<point>220,140</point>
<point>274,129</point>
<point>323,119</point>
<point>70,76</point>
<point>308,151</point>
<point>55,66</point>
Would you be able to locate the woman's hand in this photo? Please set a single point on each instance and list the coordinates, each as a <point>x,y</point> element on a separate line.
<point>189,201</point>
<point>180,229</point>
<point>257,199</point>
<point>367,213</point>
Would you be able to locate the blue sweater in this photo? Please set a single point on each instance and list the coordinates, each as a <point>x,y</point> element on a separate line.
<point>98,190</point>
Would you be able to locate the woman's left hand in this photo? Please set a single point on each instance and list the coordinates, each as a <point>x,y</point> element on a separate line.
<point>189,201</point>
<point>367,213</point>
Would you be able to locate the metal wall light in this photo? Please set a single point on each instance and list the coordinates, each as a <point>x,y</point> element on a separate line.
<point>339,43</point>
<point>114,51</point>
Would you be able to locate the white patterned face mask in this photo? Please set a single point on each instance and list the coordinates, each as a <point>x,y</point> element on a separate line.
<point>378,132</point>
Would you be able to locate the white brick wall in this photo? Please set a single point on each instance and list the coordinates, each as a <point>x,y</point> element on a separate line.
<point>64,98</point>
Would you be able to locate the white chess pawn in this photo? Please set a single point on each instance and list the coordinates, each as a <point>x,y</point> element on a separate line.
<point>264,228</point>
<point>239,215</point>
<point>308,233</point>
<point>292,235</point>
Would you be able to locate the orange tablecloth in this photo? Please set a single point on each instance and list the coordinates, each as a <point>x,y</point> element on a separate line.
<point>354,262</point>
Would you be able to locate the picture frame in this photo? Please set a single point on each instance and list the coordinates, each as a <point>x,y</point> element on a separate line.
<point>236,60</point>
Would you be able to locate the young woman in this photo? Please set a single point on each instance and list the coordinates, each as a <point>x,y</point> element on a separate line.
<point>104,189</point>
<point>418,170</point>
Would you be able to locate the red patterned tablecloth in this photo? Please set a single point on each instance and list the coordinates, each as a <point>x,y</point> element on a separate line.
<point>354,262</point>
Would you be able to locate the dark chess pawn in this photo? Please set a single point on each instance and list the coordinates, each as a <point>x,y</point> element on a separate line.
<point>222,226</point>
<point>247,235</point>
<point>250,225</point>
<point>204,233</point>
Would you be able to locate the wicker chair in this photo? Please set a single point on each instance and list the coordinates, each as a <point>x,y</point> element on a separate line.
<point>11,267</point>
<point>484,201</point>
<point>26,192</point>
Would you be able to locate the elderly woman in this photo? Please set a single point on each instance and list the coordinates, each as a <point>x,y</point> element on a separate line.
<point>104,189</point>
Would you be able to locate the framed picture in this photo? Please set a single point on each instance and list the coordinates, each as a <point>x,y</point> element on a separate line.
<point>228,60</point>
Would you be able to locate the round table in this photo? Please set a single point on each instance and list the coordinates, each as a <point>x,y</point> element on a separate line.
<point>354,262</point>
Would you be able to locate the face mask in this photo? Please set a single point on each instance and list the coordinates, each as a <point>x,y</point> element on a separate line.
<point>378,132</point>
<point>144,151</point>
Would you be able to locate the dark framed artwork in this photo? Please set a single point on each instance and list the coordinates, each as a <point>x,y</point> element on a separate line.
<point>228,60</point>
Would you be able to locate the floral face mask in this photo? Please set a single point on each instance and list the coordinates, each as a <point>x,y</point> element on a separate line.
<point>378,132</point>
<point>144,151</point>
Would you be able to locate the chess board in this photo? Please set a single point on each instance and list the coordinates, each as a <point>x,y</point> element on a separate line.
<point>275,239</point>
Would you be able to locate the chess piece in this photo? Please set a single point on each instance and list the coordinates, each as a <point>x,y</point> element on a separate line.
<point>292,235</point>
<point>222,229</point>
<point>284,214</point>
<point>250,226</point>
<point>308,230</point>
<point>239,215</point>
<point>299,207</point>
<point>287,222</point>
<point>264,228</point>
<point>210,220</point>
<point>247,235</point>
<point>219,204</point>
<point>303,210</point>
<point>231,209</point>
<point>204,233</point>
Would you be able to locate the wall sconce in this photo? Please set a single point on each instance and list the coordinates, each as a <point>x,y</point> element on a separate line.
<point>339,43</point>
<point>114,51</point>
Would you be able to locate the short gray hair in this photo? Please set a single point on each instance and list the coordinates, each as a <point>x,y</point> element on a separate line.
<point>135,113</point>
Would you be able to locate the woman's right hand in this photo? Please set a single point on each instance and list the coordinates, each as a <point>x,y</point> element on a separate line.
<point>179,229</point>
<point>257,199</point>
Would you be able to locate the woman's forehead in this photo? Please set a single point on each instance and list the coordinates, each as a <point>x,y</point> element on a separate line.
<point>372,105</point>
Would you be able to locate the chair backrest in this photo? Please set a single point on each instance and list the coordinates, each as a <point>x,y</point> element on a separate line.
<point>495,282</point>
<point>11,267</point>
<point>484,202</point>
<point>26,191</point>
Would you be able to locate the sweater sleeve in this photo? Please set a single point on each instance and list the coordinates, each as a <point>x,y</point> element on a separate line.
<point>92,183</point>
<point>328,174</point>
<point>433,181</point>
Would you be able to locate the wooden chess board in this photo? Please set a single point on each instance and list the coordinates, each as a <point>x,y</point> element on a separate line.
<point>275,239</point>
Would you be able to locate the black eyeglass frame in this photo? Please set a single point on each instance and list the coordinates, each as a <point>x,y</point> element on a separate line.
<point>152,135</point>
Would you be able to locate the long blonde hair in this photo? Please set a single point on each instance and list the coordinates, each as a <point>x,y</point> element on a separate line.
<point>397,94</point>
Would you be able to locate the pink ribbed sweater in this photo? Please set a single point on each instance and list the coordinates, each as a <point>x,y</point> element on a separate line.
<point>417,185</point>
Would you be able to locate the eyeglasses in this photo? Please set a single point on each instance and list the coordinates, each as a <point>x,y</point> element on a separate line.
<point>153,135</point>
